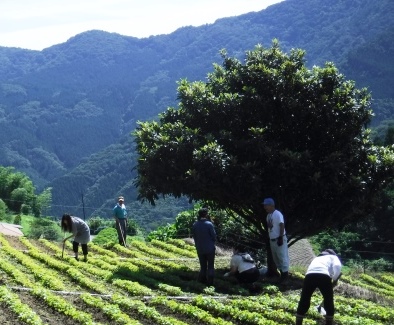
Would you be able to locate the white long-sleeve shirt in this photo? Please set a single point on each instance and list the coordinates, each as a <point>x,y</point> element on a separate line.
<point>326,264</point>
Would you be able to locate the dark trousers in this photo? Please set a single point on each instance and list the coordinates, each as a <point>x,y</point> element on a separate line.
<point>207,267</point>
<point>121,229</point>
<point>84,248</point>
<point>311,282</point>
<point>248,276</point>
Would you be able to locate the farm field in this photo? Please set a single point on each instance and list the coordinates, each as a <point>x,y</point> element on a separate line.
<point>155,283</point>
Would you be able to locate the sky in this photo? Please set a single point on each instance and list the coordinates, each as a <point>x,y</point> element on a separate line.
<point>40,24</point>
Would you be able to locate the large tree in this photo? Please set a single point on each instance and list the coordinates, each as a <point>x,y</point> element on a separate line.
<point>268,127</point>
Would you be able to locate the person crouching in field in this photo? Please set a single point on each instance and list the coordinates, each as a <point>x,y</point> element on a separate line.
<point>242,266</point>
<point>80,231</point>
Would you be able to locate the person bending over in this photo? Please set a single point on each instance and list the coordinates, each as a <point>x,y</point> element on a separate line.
<point>323,273</point>
<point>80,231</point>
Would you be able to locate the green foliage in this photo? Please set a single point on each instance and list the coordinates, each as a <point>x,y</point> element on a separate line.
<point>3,210</point>
<point>163,233</point>
<point>268,127</point>
<point>43,202</point>
<point>341,242</point>
<point>96,223</point>
<point>372,66</point>
<point>17,192</point>
<point>44,228</point>
<point>17,219</point>
<point>36,121</point>
<point>107,236</point>
<point>368,300</point>
<point>132,228</point>
<point>371,265</point>
<point>184,222</point>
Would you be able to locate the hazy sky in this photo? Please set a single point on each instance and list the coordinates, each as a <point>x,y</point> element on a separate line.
<point>42,23</point>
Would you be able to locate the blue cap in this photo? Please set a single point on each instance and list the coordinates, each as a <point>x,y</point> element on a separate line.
<point>269,201</point>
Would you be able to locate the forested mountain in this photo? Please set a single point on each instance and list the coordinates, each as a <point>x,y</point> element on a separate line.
<point>66,112</point>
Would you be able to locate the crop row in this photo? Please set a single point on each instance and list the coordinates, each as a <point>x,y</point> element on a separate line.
<point>138,282</point>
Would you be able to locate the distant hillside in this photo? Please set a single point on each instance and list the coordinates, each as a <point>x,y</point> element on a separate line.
<point>66,111</point>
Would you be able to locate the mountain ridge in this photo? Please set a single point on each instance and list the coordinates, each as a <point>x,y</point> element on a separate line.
<point>64,105</point>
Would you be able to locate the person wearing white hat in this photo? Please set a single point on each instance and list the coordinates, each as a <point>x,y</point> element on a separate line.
<point>120,215</point>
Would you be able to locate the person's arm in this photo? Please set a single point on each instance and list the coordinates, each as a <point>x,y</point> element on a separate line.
<point>67,238</point>
<point>336,267</point>
<point>281,233</point>
<point>115,214</point>
<point>212,232</point>
<point>233,268</point>
<point>232,271</point>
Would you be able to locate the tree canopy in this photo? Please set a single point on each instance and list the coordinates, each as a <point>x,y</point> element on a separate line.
<point>268,127</point>
<point>17,193</point>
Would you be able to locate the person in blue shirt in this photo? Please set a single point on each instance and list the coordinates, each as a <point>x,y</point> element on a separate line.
<point>204,238</point>
<point>120,215</point>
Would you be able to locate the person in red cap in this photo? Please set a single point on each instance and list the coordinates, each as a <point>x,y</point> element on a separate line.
<point>323,273</point>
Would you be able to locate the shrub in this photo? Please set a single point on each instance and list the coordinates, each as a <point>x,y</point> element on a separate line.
<point>106,236</point>
<point>44,228</point>
<point>18,219</point>
<point>3,210</point>
<point>162,233</point>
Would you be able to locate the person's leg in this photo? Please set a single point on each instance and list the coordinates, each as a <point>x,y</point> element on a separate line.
<point>255,275</point>
<point>327,292</point>
<point>124,230</point>
<point>202,276</point>
<point>85,252</point>
<point>274,253</point>
<point>75,249</point>
<point>282,253</point>
<point>117,224</point>
<point>210,268</point>
<point>309,286</point>
<point>120,228</point>
<point>238,276</point>
<point>249,276</point>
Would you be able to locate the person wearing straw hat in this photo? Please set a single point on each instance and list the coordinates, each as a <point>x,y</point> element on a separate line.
<point>323,273</point>
<point>120,215</point>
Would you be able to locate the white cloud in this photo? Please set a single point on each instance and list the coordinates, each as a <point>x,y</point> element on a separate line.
<point>41,23</point>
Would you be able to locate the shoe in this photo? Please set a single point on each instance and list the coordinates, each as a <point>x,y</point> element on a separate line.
<point>77,258</point>
<point>283,277</point>
<point>85,258</point>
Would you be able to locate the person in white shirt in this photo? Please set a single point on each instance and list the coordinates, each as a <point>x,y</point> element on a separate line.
<point>323,273</point>
<point>242,266</point>
<point>278,239</point>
